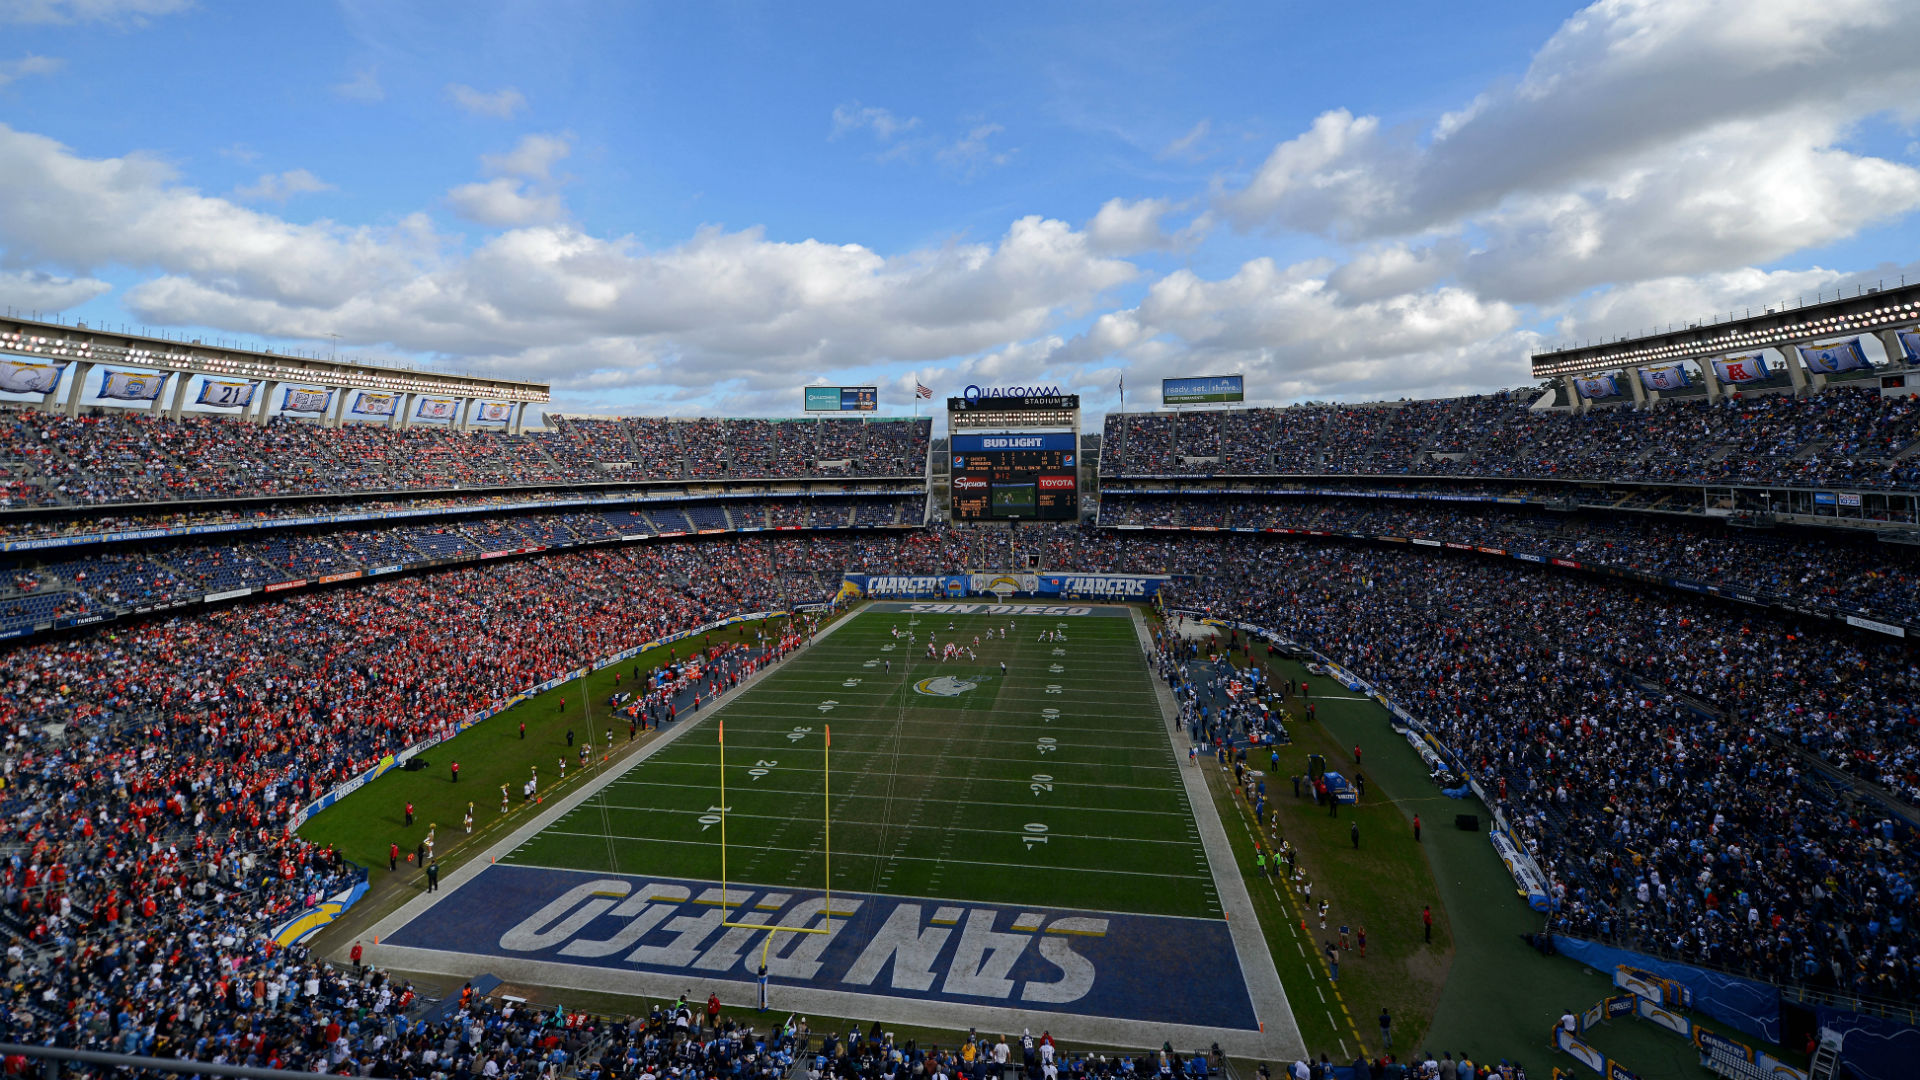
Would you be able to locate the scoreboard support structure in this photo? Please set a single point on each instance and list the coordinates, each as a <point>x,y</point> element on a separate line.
<point>1014,458</point>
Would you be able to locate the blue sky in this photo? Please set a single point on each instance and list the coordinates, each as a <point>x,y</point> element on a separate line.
<point>698,208</point>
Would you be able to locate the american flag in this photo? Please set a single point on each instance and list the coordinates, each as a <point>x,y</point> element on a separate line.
<point>922,390</point>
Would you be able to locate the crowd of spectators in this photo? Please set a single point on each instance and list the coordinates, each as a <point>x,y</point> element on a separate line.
<point>114,456</point>
<point>1647,749</point>
<point>1650,749</point>
<point>1846,436</point>
<point>1827,567</point>
<point>114,579</point>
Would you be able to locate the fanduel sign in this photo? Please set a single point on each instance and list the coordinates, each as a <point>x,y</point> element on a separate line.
<point>1091,963</point>
<point>975,393</point>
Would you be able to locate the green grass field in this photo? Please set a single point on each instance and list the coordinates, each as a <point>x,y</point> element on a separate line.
<point>984,793</point>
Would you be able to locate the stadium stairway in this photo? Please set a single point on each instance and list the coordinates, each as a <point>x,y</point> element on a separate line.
<point>441,1011</point>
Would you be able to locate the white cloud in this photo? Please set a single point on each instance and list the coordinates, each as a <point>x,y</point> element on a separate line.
<point>364,87</point>
<point>1648,137</point>
<point>549,300</point>
<point>500,104</point>
<point>1187,147</point>
<point>59,12</point>
<point>279,187</point>
<point>505,200</point>
<point>1122,227</point>
<point>34,290</point>
<point>533,158</point>
<point>27,66</point>
<point>852,116</point>
<point>970,153</point>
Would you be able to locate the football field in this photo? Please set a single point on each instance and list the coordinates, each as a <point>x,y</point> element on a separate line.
<point>985,840</point>
<point>1053,783</point>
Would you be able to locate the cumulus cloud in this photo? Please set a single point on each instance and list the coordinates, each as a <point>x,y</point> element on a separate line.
<point>505,200</point>
<point>279,187</point>
<point>547,300</point>
<point>34,290</point>
<point>522,190</point>
<point>67,12</point>
<point>27,66</point>
<point>1123,227</point>
<point>533,158</point>
<point>500,104</point>
<point>1646,138</point>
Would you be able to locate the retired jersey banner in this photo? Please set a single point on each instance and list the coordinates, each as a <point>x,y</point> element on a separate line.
<point>1741,369</point>
<point>1833,357</point>
<point>437,408</point>
<point>494,412</point>
<point>305,399</point>
<point>1910,342</point>
<point>1665,377</point>
<point>225,394</point>
<point>372,404</point>
<point>17,377</point>
<point>1597,386</point>
<point>132,385</point>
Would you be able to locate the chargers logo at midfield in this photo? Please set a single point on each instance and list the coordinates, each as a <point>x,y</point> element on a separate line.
<point>948,685</point>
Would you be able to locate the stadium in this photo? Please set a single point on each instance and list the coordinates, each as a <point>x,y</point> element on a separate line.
<point>421,718</point>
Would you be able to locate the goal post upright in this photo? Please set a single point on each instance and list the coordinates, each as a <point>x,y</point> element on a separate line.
<point>826,806</point>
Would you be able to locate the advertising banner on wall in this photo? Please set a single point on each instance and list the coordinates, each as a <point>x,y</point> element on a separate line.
<point>1204,390</point>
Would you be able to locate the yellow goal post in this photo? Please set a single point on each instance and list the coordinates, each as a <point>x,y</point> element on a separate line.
<point>826,805</point>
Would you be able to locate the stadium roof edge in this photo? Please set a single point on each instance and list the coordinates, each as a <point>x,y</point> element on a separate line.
<point>60,343</point>
<point>1868,311</point>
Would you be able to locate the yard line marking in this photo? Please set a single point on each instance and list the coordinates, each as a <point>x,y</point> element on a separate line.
<point>907,858</point>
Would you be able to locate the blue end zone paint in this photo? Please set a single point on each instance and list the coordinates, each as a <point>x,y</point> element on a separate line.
<point>1131,967</point>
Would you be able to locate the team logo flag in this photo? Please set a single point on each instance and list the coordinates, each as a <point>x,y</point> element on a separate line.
<point>17,377</point>
<point>494,412</point>
<point>437,408</point>
<point>132,385</point>
<point>305,399</point>
<point>372,404</point>
<point>1834,357</point>
<point>1597,386</point>
<point>225,394</point>
<point>1665,377</point>
<point>1910,342</point>
<point>1741,369</point>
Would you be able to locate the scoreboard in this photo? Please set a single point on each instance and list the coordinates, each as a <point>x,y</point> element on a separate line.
<point>1015,475</point>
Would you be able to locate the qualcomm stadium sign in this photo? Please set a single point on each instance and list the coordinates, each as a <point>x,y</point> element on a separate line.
<point>975,393</point>
<point>1139,587</point>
